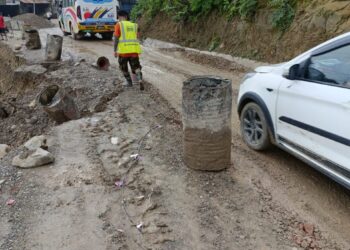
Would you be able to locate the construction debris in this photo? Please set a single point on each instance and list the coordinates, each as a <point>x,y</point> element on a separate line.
<point>103,63</point>
<point>59,104</point>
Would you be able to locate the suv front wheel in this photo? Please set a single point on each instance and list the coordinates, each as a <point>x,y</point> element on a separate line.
<point>254,127</point>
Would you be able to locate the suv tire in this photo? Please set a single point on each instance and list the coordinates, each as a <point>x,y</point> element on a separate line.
<point>254,127</point>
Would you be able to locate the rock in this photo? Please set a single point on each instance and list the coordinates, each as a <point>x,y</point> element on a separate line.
<point>33,120</point>
<point>4,149</point>
<point>309,229</point>
<point>32,104</point>
<point>36,142</point>
<point>32,159</point>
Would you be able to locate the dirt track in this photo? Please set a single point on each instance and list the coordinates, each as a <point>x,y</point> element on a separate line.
<point>261,202</point>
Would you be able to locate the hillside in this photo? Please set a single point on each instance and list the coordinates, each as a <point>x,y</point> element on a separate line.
<point>268,30</point>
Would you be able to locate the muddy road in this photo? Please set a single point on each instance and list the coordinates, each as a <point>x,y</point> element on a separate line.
<point>263,201</point>
<point>293,184</point>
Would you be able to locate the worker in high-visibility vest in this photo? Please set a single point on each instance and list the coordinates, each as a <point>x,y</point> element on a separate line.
<point>127,48</point>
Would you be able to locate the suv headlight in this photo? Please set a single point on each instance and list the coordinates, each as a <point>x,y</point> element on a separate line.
<point>247,76</point>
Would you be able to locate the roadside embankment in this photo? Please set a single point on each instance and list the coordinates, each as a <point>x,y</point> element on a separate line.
<point>256,38</point>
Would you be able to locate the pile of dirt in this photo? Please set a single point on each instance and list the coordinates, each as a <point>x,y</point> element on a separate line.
<point>8,63</point>
<point>314,22</point>
<point>34,21</point>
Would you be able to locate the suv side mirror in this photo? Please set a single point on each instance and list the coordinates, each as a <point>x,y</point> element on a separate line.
<point>292,72</point>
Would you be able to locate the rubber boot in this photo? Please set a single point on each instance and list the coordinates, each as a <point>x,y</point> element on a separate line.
<point>139,78</point>
<point>128,80</point>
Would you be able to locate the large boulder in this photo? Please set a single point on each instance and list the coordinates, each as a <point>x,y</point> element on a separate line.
<point>4,149</point>
<point>32,159</point>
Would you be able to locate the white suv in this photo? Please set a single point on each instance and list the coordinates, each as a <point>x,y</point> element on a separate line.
<point>303,106</point>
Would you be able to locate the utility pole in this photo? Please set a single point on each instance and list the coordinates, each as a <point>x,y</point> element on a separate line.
<point>34,6</point>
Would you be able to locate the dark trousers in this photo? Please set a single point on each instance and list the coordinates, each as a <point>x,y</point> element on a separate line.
<point>134,63</point>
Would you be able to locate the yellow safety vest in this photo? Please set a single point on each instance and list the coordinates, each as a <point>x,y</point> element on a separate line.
<point>128,42</point>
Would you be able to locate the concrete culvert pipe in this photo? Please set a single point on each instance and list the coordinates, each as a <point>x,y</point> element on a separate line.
<point>58,104</point>
<point>207,114</point>
<point>32,39</point>
<point>53,47</point>
<point>103,63</point>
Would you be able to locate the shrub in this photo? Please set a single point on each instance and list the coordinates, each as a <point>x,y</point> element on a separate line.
<point>186,9</point>
<point>247,8</point>
<point>284,13</point>
<point>148,8</point>
<point>203,7</point>
<point>182,10</point>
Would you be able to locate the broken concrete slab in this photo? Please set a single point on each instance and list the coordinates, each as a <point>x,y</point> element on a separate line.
<point>32,159</point>
<point>4,149</point>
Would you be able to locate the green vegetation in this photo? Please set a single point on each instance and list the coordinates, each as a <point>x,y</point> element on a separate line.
<point>247,8</point>
<point>284,13</point>
<point>215,43</point>
<point>190,10</point>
